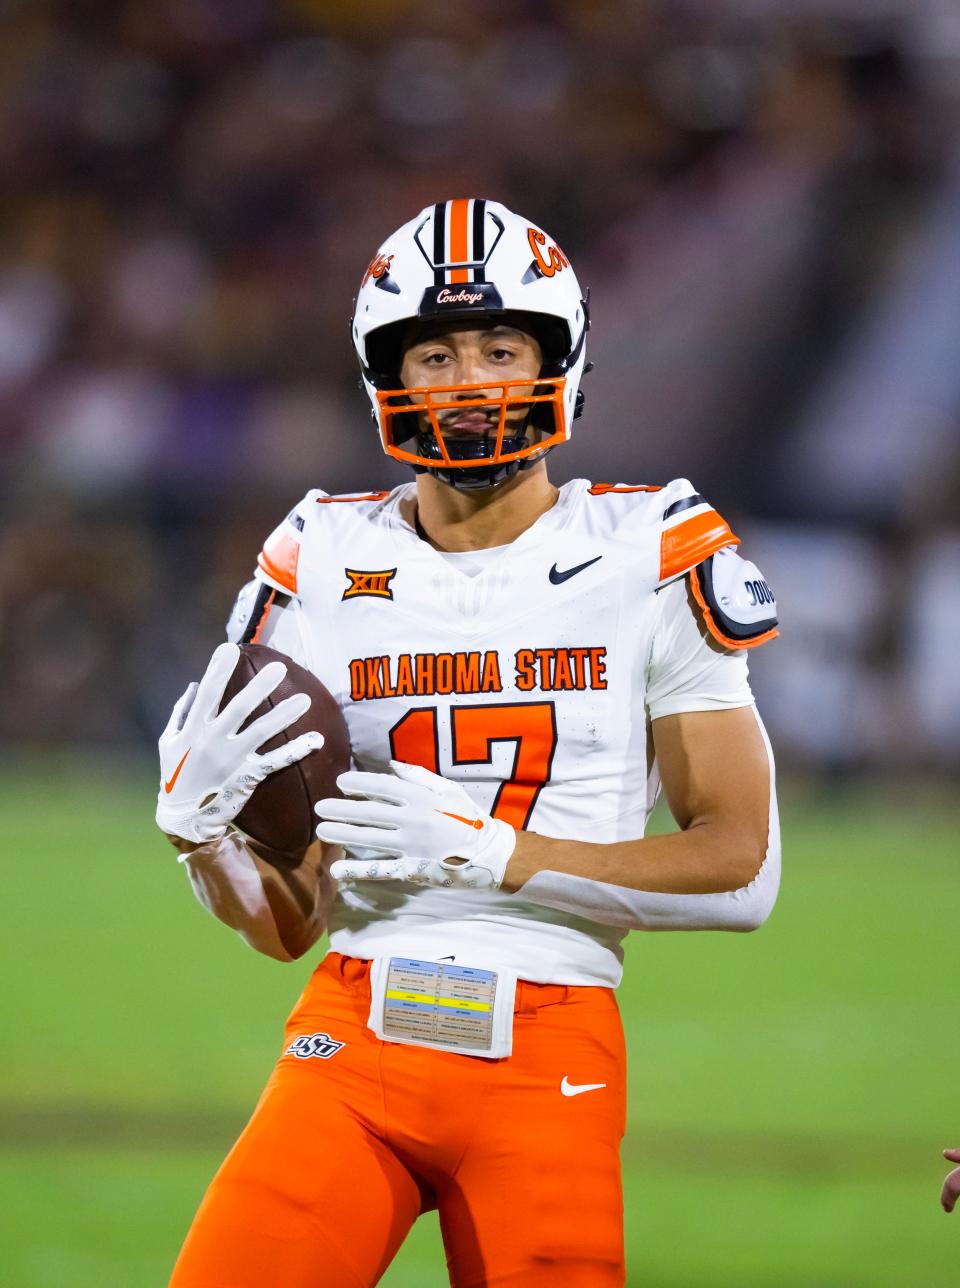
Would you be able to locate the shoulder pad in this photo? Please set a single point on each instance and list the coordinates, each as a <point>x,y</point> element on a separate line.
<point>277,562</point>
<point>251,610</point>
<point>739,608</point>
<point>691,531</point>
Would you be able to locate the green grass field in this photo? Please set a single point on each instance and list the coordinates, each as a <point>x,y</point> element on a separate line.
<point>790,1090</point>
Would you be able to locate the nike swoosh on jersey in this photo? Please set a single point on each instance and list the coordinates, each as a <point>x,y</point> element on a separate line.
<point>470,822</point>
<point>557,577</point>
<point>577,1089</point>
<point>168,786</point>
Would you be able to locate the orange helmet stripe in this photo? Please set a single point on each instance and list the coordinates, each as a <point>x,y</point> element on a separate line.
<point>459,210</point>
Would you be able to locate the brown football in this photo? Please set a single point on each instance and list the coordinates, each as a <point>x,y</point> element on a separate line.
<point>279,815</point>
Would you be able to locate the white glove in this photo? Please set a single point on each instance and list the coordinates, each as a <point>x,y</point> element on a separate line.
<point>430,824</point>
<point>208,769</point>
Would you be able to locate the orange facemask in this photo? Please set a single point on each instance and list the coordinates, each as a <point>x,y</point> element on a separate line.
<point>435,403</point>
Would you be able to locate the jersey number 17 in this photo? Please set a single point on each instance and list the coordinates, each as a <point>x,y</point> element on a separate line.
<point>474,730</point>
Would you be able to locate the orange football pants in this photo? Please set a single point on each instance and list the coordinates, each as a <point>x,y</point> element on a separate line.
<point>343,1153</point>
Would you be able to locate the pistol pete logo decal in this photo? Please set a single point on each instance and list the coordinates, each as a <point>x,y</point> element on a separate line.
<point>376,584</point>
<point>379,265</point>
<point>553,262</point>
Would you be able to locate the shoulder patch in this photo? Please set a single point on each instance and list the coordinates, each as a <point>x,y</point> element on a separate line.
<point>280,556</point>
<point>739,608</point>
<point>692,531</point>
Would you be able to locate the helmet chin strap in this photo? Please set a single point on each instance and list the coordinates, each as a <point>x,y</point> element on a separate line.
<point>483,477</point>
<point>474,480</point>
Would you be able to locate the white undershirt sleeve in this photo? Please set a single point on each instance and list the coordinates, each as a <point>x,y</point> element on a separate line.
<point>225,879</point>
<point>684,673</point>
<point>613,905</point>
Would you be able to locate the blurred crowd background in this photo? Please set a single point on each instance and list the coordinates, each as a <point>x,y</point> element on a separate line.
<point>763,196</point>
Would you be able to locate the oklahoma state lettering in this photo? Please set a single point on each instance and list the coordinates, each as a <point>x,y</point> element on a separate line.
<point>553,669</point>
<point>423,675</point>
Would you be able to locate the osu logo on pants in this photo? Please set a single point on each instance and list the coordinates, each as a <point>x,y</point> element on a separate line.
<point>322,1045</point>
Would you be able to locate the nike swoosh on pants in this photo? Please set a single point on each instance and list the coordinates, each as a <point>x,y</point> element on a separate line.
<point>577,1089</point>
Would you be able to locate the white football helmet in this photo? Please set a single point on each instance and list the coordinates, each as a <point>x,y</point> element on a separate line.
<point>459,259</point>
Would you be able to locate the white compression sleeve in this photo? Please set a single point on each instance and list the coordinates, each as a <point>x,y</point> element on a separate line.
<point>612,905</point>
<point>226,881</point>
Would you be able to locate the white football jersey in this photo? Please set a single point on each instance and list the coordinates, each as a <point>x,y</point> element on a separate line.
<point>530,674</point>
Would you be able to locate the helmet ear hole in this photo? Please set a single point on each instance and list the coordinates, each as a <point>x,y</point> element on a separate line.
<point>384,355</point>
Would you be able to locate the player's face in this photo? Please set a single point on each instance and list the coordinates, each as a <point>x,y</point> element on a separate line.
<point>459,355</point>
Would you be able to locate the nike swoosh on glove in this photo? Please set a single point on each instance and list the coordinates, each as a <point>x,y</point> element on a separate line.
<point>429,825</point>
<point>208,768</point>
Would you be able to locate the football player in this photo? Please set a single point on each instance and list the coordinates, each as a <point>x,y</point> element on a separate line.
<point>521,667</point>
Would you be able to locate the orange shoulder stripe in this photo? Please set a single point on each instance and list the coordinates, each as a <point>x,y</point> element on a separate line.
<point>279,558</point>
<point>726,640</point>
<point>601,489</point>
<point>689,543</point>
<point>340,500</point>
